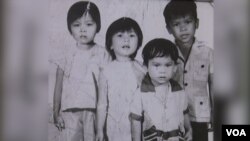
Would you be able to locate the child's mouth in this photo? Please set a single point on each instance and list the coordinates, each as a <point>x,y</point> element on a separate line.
<point>184,36</point>
<point>126,47</point>
<point>83,36</point>
<point>163,77</point>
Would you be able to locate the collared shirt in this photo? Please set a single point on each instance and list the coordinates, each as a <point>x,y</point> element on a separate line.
<point>193,75</point>
<point>81,71</point>
<point>161,107</point>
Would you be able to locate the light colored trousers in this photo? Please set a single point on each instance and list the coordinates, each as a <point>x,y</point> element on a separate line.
<point>79,125</point>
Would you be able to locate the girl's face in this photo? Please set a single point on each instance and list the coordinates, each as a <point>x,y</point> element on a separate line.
<point>84,29</point>
<point>124,43</point>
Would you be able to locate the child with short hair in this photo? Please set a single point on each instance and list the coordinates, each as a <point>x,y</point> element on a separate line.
<point>119,80</point>
<point>77,74</point>
<point>160,101</point>
<point>195,69</point>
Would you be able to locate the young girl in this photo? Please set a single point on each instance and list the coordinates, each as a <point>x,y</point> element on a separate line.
<point>77,75</point>
<point>119,80</point>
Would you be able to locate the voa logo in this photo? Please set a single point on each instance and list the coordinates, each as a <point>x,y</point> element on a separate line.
<point>236,132</point>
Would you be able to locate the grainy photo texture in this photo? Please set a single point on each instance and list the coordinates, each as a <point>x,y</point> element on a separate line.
<point>130,70</point>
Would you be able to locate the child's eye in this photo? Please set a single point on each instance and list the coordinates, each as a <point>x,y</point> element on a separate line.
<point>76,25</point>
<point>188,22</point>
<point>176,24</point>
<point>89,24</point>
<point>119,35</point>
<point>156,65</point>
<point>168,65</point>
<point>132,35</point>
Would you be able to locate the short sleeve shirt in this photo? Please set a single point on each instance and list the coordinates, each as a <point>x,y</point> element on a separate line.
<point>163,109</point>
<point>81,71</point>
<point>193,76</point>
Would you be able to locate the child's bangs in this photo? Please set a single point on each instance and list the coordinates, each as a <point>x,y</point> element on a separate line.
<point>123,27</point>
<point>158,52</point>
<point>181,14</point>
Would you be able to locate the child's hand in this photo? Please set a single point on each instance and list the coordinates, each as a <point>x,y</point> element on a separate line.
<point>100,137</point>
<point>211,123</point>
<point>188,136</point>
<point>59,122</point>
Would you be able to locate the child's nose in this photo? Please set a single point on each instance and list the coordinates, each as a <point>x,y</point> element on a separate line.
<point>162,70</point>
<point>126,39</point>
<point>183,27</point>
<point>83,29</point>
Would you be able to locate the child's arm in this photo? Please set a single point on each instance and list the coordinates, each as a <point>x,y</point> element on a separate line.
<point>101,107</point>
<point>210,86</point>
<point>59,123</point>
<point>188,128</point>
<point>136,116</point>
<point>136,130</point>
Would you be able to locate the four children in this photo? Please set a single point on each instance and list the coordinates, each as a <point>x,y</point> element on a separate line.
<point>131,101</point>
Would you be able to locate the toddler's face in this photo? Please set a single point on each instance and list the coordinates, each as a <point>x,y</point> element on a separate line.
<point>84,29</point>
<point>161,70</point>
<point>125,43</point>
<point>183,28</point>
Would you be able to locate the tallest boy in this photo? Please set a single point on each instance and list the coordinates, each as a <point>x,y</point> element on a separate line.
<point>195,69</point>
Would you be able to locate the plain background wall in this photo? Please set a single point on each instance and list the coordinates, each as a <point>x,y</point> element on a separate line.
<point>148,13</point>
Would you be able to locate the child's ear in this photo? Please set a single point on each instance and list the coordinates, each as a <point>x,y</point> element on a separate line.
<point>169,29</point>
<point>197,23</point>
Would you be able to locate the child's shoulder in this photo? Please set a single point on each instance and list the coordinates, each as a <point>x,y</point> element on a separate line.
<point>177,90</point>
<point>139,67</point>
<point>175,86</point>
<point>110,67</point>
<point>99,49</point>
<point>203,46</point>
<point>99,46</point>
<point>101,53</point>
<point>139,71</point>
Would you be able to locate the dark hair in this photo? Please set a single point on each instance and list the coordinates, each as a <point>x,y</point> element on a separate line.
<point>179,8</point>
<point>122,25</point>
<point>159,47</point>
<point>79,8</point>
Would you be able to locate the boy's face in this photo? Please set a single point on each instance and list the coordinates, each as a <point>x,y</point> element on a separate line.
<point>183,28</point>
<point>125,43</point>
<point>84,29</point>
<point>161,70</point>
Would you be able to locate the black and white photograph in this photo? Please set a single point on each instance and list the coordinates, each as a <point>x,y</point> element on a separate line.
<point>131,70</point>
<point>124,70</point>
